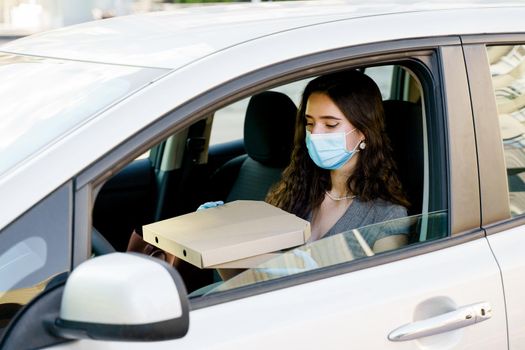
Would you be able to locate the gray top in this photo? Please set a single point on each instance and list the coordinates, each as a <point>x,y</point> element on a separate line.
<point>363,215</point>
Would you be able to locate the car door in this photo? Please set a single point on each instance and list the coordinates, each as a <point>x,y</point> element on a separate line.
<point>361,306</point>
<point>442,291</point>
<point>497,62</point>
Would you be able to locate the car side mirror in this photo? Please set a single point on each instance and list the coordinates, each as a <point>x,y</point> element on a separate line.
<point>123,297</point>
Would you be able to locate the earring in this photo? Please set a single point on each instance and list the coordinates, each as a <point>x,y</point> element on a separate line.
<point>362,145</point>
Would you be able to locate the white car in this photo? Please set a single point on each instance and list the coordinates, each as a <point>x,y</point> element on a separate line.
<point>111,125</point>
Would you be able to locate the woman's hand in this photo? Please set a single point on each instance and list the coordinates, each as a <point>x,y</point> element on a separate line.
<point>208,205</point>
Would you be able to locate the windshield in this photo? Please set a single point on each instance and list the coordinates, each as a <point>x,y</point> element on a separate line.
<point>43,99</point>
<point>333,250</point>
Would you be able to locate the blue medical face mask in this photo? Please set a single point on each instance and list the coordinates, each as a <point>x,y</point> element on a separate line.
<point>328,151</point>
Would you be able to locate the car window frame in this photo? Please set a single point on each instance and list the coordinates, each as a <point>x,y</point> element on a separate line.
<point>493,173</point>
<point>464,213</point>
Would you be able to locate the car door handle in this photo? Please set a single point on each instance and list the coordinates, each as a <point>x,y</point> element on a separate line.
<point>462,317</point>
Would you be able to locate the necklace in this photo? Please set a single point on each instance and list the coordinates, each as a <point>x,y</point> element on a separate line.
<point>338,198</point>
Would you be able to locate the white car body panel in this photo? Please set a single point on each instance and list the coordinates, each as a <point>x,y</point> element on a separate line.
<point>329,313</point>
<point>508,249</point>
<point>360,307</point>
<point>119,304</point>
<point>47,169</point>
<point>172,40</point>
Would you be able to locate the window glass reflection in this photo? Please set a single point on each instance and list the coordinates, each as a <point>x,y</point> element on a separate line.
<point>507,67</point>
<point>338,249</point>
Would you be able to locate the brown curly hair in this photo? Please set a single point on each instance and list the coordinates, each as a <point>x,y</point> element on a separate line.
<point>303,184</point>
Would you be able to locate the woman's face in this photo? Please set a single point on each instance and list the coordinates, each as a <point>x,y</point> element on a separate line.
<point>323,116</point>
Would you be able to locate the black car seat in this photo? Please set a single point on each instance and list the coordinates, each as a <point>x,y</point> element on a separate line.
<point>404,126</point>
<point>269,126</point>
<point>268,140</point>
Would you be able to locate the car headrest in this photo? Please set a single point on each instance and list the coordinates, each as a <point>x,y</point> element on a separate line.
<point>269,128</point>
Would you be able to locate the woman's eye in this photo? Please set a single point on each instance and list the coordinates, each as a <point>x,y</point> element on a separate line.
<point>332,125</point>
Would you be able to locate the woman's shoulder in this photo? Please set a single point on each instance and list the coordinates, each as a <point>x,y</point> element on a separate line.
<point>383,209</point>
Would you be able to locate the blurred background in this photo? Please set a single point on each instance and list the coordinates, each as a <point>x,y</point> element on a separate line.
<point>24,17</point>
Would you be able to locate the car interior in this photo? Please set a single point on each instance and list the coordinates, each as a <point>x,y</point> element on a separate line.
<point>240,151</point>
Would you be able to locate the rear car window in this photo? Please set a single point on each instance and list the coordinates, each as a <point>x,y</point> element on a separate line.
<point>507,67</point>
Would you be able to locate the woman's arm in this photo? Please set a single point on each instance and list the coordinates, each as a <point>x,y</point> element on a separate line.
<point>393,241</point>
<point>390,243</point>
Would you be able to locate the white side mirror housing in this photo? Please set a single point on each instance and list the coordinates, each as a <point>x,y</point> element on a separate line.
<point>126,297</point>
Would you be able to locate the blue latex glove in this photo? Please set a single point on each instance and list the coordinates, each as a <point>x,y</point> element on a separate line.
<point>208,205</point>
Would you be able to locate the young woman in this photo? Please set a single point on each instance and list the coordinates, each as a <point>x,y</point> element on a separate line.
<point>342,175</point>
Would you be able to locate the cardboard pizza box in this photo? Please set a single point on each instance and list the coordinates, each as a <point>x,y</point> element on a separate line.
<point>239,234</point>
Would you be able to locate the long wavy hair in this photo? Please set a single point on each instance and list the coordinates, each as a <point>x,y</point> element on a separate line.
<point>303,184</point>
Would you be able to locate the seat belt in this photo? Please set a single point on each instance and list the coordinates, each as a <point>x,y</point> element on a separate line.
<point>195,145</point>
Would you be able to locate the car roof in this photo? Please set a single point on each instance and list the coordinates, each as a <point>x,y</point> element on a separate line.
<point>176,38</point>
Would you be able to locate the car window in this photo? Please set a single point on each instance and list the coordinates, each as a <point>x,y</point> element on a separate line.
<point>507,67</point>
<point>410,125</point>
<point>228,122</point>
<point>382,75</point>
<point>406,125</point>
<point>338,249</point>
<point>29,257</point>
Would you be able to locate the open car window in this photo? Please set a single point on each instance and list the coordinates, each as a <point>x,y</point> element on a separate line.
<point>236,171</point>
<point>229,120</point>
<point>338,249</point>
